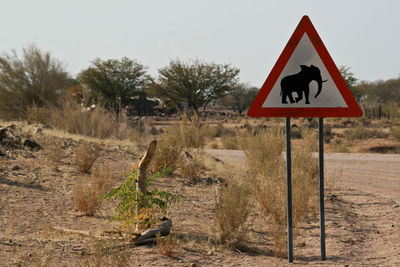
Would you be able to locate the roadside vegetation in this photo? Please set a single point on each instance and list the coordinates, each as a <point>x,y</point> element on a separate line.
<point>85,147</point>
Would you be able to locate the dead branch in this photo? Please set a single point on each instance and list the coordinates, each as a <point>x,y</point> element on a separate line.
<point>10,243</point>
<point>143,164</point>
<point>164,229</point>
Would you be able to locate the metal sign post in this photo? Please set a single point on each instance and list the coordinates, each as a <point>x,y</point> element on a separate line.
<point>286,93</point>
<point>321,186</point>
<point>289,190</point>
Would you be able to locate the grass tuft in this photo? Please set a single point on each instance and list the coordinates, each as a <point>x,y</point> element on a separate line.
<point>85,156</point>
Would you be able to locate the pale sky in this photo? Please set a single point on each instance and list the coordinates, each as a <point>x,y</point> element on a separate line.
<point>249,34</point>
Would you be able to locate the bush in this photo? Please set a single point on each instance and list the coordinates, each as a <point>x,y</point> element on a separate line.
<point>191,134</point>
<point>166,245</point>
<point>102,179</point>
<point>35,80</point>
<point>169,149</point>
<point>85,156</point>
<point>395,133</point>
<point>339,146</point>
<point>190,166</point>
<point>154,202</point>
<point>36,114</point>
<point>229,141</point>
<point>232,210</point>
<point>213,131</point>
<point>363,133</point>
<point>72,118</point>
<point>267,175</point>
<point>86,198</point>
<point>56,154</point>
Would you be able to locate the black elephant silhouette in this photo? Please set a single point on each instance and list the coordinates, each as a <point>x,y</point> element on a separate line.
<point>299,83</point>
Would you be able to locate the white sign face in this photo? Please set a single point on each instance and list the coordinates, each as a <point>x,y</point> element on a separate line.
<point>297,85</point>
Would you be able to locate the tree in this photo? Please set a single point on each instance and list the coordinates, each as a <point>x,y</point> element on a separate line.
<point>36,79</point>
<point>383,92</point>
<point>240,97</point>
<point>351,82</point>
<point>114,82</point>
<point>197,83</point>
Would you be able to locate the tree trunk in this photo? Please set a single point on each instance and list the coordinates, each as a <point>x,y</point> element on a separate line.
<point>141,183</point>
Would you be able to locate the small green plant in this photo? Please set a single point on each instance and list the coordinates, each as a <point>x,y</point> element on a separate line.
<point>154,201</point>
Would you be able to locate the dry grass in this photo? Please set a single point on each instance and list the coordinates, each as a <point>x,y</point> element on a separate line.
<point>213,131</point>
<point>361,132</point>
<point>55,154</point>
<point>87,195</point>
<point>395,133</point>
<point>86,198</point>
<point>191,134</point>
<point>233,205</point>
<point>85,156</point>
<point>168,150</point>
<point>190,166</point>
<point>338,145</point>
<point>267,175</point>
<point>102,179</point>
<point>36,114</point>
<point>166,245</point>
<point>229,141</point>
<point>98,123</point>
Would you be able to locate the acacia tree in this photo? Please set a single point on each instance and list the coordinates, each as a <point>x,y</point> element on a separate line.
<point>240,97</point>
<point>351,82</point>
<point>35,79</point>
<point>114,82</point>
<point>196,82</point>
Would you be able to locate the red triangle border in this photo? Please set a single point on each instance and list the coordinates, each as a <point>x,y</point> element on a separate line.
<point>352,109</point>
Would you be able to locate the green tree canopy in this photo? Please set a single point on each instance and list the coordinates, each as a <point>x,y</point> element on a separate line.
<point>351,82</point>
<point>196,82</point>
<point>382,92</point>
<point>35,79</point>
<point>114,82</point>
<point>240,97</point>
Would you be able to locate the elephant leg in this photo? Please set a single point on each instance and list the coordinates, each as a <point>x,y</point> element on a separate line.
<point>299,96</point>
<point>306,94</point>
<point>284,96</point>
<point>291,97</point>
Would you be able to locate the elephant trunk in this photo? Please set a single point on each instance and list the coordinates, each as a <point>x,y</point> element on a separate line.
<point>319,81</point>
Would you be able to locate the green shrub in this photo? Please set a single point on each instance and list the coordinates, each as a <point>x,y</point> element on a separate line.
<point>153,202</point>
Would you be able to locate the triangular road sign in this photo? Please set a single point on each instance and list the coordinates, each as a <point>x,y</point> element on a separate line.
<point>304,82</point>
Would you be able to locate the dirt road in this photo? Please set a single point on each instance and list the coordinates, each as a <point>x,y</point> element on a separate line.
<point>362,210</point>
<point>370,173</point>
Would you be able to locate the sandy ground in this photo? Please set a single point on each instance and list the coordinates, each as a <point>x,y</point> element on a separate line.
<point>362,216</point>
